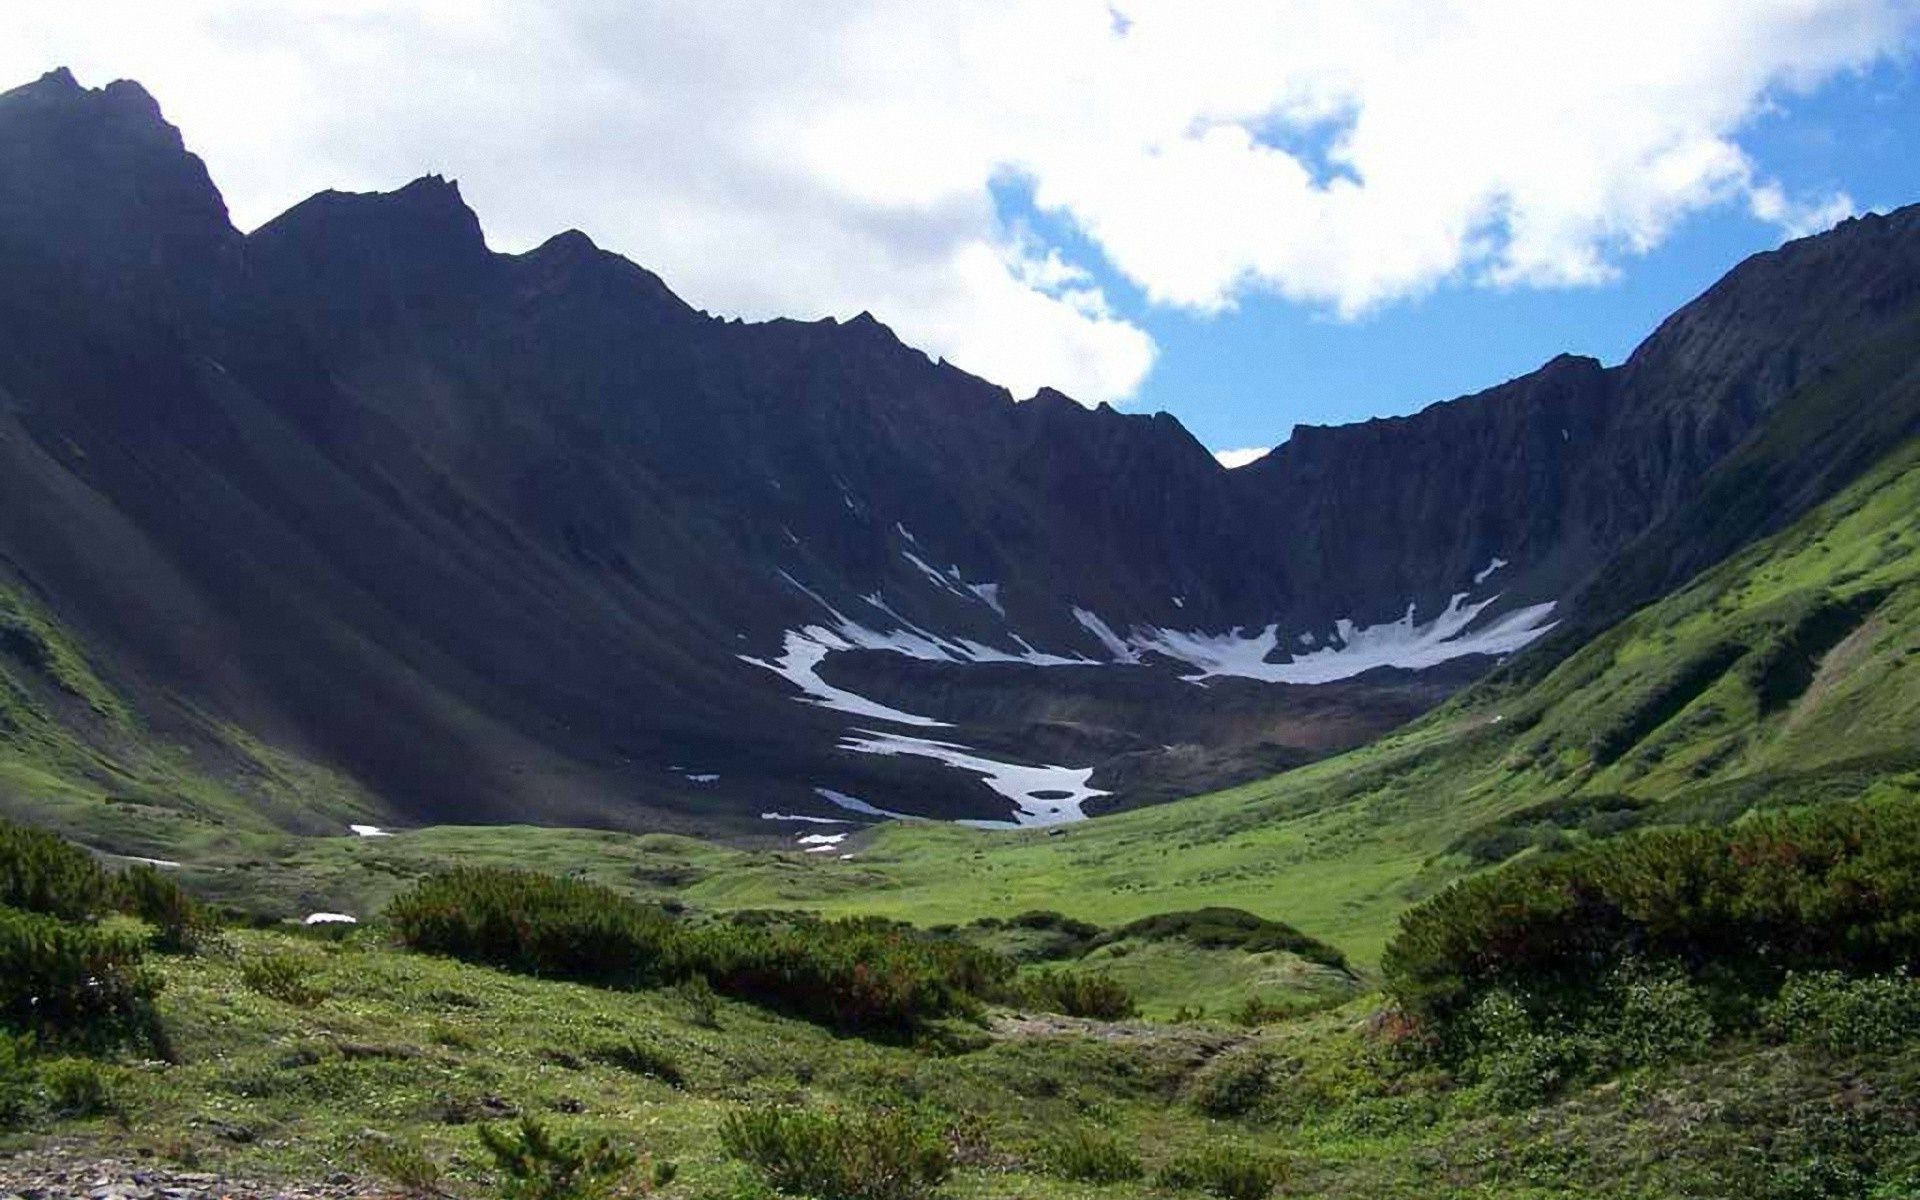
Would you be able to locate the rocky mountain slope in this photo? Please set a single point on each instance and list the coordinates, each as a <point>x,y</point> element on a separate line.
<point>453,535</point>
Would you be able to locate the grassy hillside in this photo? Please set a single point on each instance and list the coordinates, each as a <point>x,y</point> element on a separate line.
<point>1789,673</point>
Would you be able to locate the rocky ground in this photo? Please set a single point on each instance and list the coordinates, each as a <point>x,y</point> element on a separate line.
<point>58,1173</point>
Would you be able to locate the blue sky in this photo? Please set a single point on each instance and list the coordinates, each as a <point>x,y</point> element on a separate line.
<point>1245,377</point>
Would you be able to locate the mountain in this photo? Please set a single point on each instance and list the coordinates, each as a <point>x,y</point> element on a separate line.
<point>352,514</point>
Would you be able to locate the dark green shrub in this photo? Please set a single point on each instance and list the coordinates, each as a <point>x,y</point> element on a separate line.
<point>76,1087</point>
<point>701,1002</point>
<point>181,923</point>
<point>1091,1156</point>
<point>1837,888</point>
<point>1234,1083</point>
<point>1845,1015</point>
<point>1228,1172</point>
<point>880,1155</point>
<point>287,978</point>
<point>533,1163</point>
<point>1091,994</point>
<point>19,1080</point>
<point>40,873</point>
<point>1652,1014</point>
<point>537,925</point>
<point>401,1163</point>
<point>863,975</point>
<point>1641,710</point>
<point>639,1058</point>
<point>73,983</point>
<point>1228,929</point>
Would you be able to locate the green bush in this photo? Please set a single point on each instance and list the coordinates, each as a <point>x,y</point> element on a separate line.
<point>702,1003</point>
<point>19,1079</point>
<point>1228,1172</point>
<point>76,1087</point>
<point>181,923</point>
<point>1234,1083</point>
<point>1228,929</point>
<point>533,1163</point>
<point>863,975</point>
<point>536,924</point>
<point>1091,1156</point>
<point>880,1155</point>
<point>1844,1015</point>
<point>1837,888</point>
<point>287,978</point>
<point>73,983</point>
<point>1089,994</point>
<point>40,873</point>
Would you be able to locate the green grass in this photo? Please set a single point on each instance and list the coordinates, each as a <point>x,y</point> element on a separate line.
<point>407,1049</point>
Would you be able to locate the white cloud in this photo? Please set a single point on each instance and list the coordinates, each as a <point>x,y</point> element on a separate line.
<point>1799,218</point>
<point>839,155</point>
<point>1240,458</point>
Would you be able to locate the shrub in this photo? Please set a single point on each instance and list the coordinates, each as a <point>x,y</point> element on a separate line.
<point>863,975</point>
<point>858,974</point>
<point>1091,1156</point>
<point>1519,1059</point>
<point>19,1081</point>
<point>879,1155</point>
<point>640,1059</point>
<point>1837,888</point>
<point>536,924</point>
<point>1234,1083</point>
<point>283,977</point>
<point>534,1163</point>
<point>1228,929</point>
<point>1228,1172</point>
<point>702,1003</point>
<point>73,983</point>
<point>403,1164</point>
<point>40,873</point>
<point>76,1087</point>
<point>1077,994</point>
<point>1652,1014</point>
<point>1843,1015</point>
<point>181,923</point>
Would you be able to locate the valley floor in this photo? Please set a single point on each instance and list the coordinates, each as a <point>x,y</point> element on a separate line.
<point>370,1071</point>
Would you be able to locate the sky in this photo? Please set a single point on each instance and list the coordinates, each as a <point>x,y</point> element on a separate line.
<point>1249,213</point>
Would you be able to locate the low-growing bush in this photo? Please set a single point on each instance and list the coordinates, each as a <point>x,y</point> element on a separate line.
<point>702,1004</point>
<point>1845,1015</point>
<point>19,1080</point>
<point>1228,929</point>
<point>537,925</point>
<point>1228,1172</point>
<point>881,1155</point>
<point>531,1162</point>
<point>287,978</point>
<point>1091,994</point>
<point>863,975</point>
<point>1091,1156</point>
<point>76,1087</point>
<point>71,983</point>
<point>1836,888</point>
<point>40,873</point>
<point>181,924</point>
<point>1234,1083</point>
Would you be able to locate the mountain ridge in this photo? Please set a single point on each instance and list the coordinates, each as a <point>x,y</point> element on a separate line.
<point>506,535</point>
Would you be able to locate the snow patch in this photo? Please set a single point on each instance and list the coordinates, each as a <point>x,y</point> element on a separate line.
<point>989,594</point>
<point>166,863</point>
<point>800,662</point>
<point>1405,644</point>
<point>820,843</point>
<point>326,918</point>
<point>855,804</point>
<point>780,816</point>
<point>1480,576</point>
<point>368,831</point>
<point>1043,795</point>
<point>1115,644</point>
